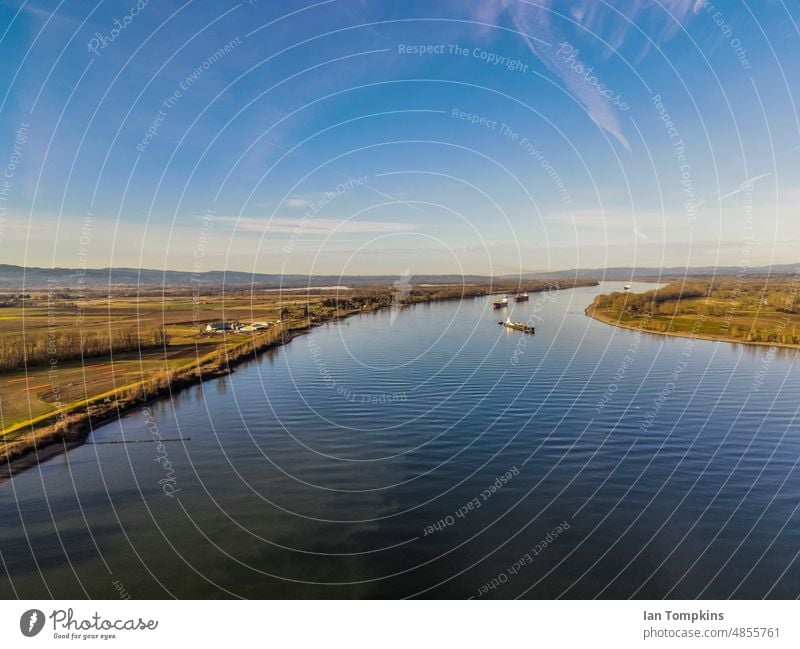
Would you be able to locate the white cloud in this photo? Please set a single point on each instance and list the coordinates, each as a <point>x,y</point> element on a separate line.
<point>298,201</point>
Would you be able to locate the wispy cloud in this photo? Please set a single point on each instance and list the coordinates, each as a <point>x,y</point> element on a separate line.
<point>537,21</point>
<point>610,218</point>
<point>298,201</point>
<point>746,184</point>
<point>549,21</point>
<point>48,14</point>
<point>660,19</point>
<point>311,226</point>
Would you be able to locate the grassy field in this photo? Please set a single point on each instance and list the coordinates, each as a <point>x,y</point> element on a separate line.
<point>25,395</point>
<point>756,310</point>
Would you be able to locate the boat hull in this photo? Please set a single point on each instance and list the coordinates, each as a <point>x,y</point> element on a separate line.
<point>519,326</point>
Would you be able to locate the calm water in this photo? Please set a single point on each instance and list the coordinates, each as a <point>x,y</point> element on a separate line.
<point>359,461</point>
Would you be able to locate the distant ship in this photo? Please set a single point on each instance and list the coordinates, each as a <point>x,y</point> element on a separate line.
<point>521,297</point>
<point>518,326</point>
<point>500,304</point>
<point>627,287</point>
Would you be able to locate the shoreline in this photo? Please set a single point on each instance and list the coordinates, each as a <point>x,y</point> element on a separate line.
<point>688,335</point>
<point>63,431</point>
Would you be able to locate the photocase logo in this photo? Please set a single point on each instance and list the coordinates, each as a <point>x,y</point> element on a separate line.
<point>31,622</point>
<point>401,289</point>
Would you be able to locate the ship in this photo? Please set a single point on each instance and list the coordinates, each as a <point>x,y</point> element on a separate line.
<point>521,297</point>
<point>627,287</point>
<point>501,304</point>
<point>518,326</point>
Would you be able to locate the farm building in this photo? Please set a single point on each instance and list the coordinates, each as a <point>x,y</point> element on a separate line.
<point>219,327</point>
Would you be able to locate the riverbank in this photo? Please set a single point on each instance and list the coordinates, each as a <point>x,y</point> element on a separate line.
<point>71,425</point>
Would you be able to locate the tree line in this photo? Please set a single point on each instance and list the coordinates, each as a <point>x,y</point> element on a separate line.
<point>45,348</point>
<point>662,301</point>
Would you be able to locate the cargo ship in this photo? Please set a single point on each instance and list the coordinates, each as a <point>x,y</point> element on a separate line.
<point>501,304</point>
<point>518,326</point>
<point>521,297</point>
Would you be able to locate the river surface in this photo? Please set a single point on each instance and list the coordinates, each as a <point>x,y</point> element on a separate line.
<point>429,452</point>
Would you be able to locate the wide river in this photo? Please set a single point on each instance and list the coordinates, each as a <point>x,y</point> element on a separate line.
<point>429,452</point>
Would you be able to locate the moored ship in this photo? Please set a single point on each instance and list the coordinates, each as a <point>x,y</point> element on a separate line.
<point>518,326</point>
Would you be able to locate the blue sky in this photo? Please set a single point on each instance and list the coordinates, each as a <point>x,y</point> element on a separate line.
<point>369,137</point>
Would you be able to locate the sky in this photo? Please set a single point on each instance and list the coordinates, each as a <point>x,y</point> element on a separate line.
<point>345,137</point>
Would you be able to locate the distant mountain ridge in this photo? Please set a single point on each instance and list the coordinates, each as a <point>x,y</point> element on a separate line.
<point>19,277</point>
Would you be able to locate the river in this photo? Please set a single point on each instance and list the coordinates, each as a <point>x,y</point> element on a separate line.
<point>429,452</point>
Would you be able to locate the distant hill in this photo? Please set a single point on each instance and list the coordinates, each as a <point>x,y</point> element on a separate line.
<point>628,273</point>
<point>15,278</point>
